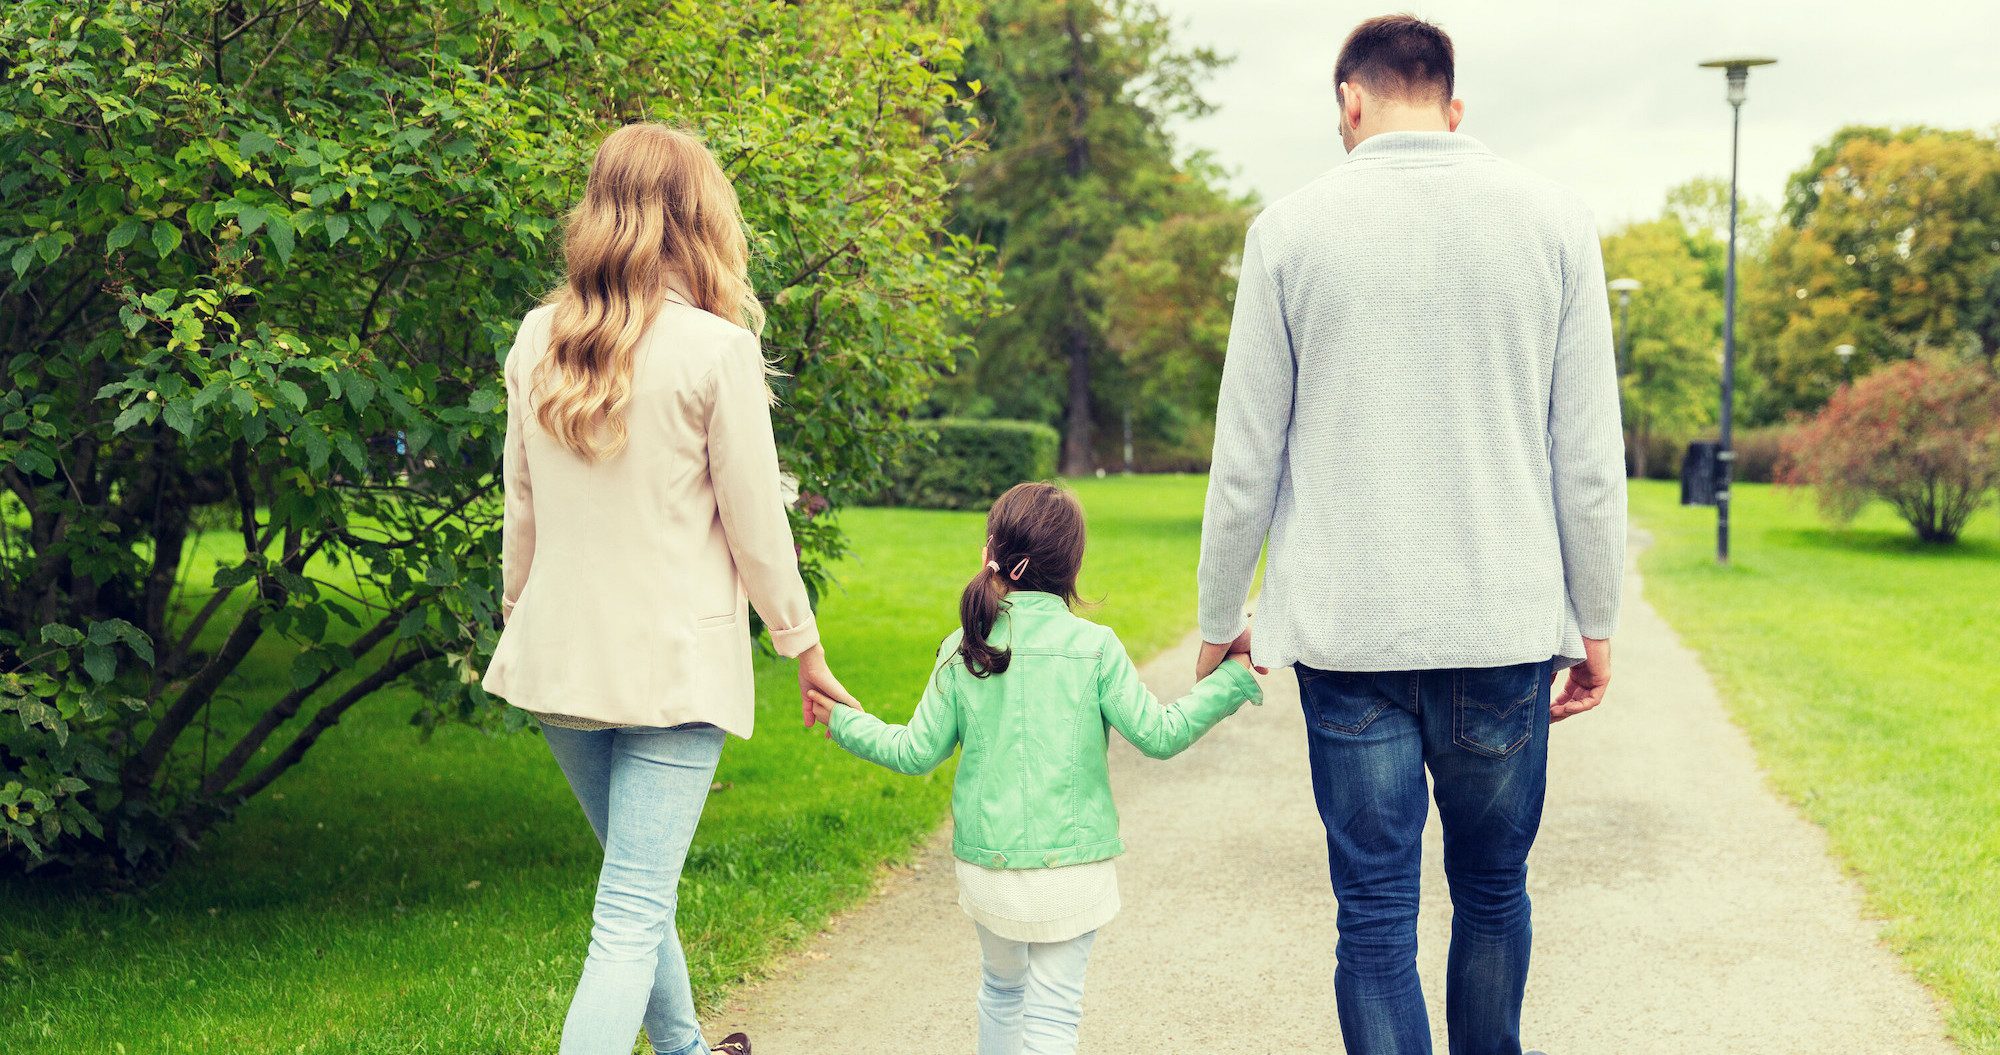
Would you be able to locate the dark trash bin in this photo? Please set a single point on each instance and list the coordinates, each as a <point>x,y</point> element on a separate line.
<point>1701,471</point>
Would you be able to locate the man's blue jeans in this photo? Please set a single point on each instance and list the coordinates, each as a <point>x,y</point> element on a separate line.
<point>1483,733</point>
<point>642,790</point>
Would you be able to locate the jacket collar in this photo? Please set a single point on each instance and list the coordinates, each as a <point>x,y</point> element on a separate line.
<point>1036,601</point>
<point>1419,146</point>
<point>677,288</point>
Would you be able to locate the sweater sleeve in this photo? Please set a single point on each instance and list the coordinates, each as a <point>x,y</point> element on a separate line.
<point>1163,731</point>
<point>916,748</point>
<point>1586,441</point>
<point>743,466</point>
<point>1253,418</point>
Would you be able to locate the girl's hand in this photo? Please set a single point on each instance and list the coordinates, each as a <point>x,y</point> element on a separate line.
<point>816,676</point>
<point>1243,658</point>
<point>822,709</point>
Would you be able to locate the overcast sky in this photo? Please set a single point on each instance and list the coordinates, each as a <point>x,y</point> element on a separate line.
<point>1605,95</point>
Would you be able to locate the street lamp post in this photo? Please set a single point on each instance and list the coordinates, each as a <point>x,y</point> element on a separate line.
<point>1846,353</point>
<point>1737,73</point>
<point>1624,287</point>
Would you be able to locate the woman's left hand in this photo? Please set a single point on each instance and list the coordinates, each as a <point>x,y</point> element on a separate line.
<point>815,675</point>
<point>822,708</point>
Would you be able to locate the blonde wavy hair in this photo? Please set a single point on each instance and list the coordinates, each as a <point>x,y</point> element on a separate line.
<point>657,212</point>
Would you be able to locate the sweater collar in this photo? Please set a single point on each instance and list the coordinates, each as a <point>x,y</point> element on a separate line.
<point>1421,146</point>
<point>1036,601</point>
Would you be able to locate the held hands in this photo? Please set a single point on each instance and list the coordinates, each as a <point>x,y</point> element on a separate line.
<point>822,709</point>
<point>816,679</point>
<point>1214,655</point>
<point>1587,681</point>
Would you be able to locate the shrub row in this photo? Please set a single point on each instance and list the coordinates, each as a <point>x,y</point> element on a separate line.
<point>971,463</point>
<point>1757,454</point>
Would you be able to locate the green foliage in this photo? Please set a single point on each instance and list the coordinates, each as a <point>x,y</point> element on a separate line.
<point>1670,374</point>
<point>972,463</point>
<point>1165,291</point>
<point>261,261</point>
<point>1921,435</point>
<point>1080,94</point>
<point>1892,244</point>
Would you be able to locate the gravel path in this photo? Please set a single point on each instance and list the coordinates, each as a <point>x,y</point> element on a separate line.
<point>1680,906</point>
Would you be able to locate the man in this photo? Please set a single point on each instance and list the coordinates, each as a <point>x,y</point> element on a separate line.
<point>1419,409</point>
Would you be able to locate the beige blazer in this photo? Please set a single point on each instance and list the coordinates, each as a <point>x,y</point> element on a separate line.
<point>627,577</point>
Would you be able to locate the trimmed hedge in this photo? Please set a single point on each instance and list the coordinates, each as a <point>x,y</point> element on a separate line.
<point>1757,454</point>
<point>972,463</point>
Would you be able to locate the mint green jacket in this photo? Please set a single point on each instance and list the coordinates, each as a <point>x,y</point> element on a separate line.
<point>1033,790</point>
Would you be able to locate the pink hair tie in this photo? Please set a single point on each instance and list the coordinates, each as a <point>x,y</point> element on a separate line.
<point>1015,575</point>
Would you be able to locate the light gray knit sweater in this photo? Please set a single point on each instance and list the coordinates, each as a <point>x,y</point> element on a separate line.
<point>1420,409</point>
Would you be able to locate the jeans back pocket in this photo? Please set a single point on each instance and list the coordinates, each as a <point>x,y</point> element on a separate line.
<point>1493,708</point>
<point>1340,701</point>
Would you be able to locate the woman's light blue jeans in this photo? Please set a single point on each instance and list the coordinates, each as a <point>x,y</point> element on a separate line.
<point>1031,994</point>
<point>642,790</point>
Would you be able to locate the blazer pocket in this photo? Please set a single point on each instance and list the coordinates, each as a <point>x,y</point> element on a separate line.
<point>710,622</point>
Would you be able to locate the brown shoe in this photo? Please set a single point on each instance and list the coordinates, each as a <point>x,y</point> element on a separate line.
<point>733,1044</point>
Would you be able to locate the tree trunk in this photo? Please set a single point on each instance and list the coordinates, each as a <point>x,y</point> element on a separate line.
<point>1077,439</point>
<point>1077,340</point>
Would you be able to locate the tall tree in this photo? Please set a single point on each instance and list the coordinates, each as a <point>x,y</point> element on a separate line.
<point>1670,370</point>
<point>1166,290</point>
<point>1079,93</point>
<point>1891,243</point>
<point>259,260</point>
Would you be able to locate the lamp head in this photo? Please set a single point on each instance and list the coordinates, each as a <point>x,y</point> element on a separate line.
<point>1737,71</point>
<point>1843,350</point>
<point>1623,285</point>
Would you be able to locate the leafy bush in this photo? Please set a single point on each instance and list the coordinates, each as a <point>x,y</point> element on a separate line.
<point>971,463</point>
<point>1922,435</point>
<point>260,262</point>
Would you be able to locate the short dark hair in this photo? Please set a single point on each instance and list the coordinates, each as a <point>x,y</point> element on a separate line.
<point>1397,56</point>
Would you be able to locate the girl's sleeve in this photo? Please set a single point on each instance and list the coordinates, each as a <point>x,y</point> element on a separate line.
<point>517,524</point>
<point>1163,731</point>
<point>918,747</point>
<point>743,466</point>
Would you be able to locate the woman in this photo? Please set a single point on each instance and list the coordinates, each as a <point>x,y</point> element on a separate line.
<point>642,505</point>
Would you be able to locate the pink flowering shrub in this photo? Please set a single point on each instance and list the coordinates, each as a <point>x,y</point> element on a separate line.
<point>1922,435</point>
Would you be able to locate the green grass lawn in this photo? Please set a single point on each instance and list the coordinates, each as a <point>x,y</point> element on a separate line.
<point>402,897</point>
<point>1866,668</point>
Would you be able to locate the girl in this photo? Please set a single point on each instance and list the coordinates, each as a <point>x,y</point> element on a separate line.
<point>1031,691</point>
<point>642,504</point>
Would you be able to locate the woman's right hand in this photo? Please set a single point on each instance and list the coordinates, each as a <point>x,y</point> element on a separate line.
<point>814,674</point>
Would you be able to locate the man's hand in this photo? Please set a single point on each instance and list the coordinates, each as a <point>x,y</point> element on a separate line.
<point>1213,654</point>
<point>1587,681</point>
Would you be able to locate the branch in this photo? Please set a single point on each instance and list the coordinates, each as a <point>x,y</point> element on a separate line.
<point>325,718</point>
<point>199,690</point>
<point>288,706</point>
<point>815,267</point>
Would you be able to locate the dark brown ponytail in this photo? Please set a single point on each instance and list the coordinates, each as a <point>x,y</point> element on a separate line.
<point>1034,541</point>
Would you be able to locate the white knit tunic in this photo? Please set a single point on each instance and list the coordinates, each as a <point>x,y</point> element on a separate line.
<point>1040,904</point>
<point>1420,409</point>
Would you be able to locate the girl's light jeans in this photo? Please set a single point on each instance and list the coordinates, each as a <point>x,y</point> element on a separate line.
<point>642,790</point>
<point>1031,994</point>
